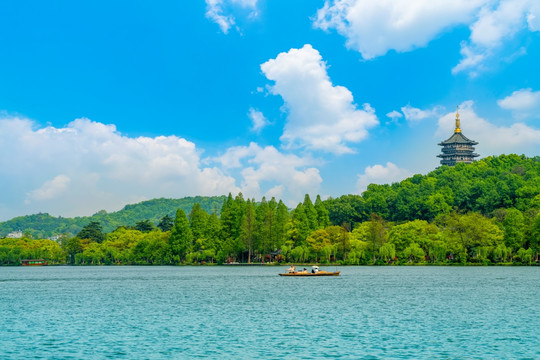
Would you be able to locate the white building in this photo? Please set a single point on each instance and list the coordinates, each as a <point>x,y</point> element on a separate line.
<point>15,235</point>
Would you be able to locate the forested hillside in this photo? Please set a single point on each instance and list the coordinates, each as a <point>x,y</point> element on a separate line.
<point>501,182</point>
<point>487,212</point>
<point>45,225</point>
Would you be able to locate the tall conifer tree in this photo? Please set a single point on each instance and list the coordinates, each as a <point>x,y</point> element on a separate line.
<point>311,213</point>
<point>323,219</point>
<point>247,232</point>
<point>198,219</point>
<point>282,224</point>
<point>301,225</point>
<point>181,238</point>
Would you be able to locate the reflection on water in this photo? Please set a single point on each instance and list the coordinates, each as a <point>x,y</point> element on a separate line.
<point>250,312</point>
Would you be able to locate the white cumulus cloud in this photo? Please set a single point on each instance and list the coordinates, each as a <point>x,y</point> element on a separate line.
<point>493,140</point>
<point>374,27</point>
<point>394,115</point>
<point>415,115</point>
<point>87,166</point>
<point>381,174</point>
<point>321,116</point>
<point>523,103</point>
<point>267,171</point>
<point>258,119</point>
<point>220,11</point>
<point>50,189</point>
<point>497,22</point>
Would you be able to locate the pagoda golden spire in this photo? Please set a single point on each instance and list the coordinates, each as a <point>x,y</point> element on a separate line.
<point>458,130</point>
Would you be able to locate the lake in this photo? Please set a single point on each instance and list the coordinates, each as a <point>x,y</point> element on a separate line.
<point>242,312</point>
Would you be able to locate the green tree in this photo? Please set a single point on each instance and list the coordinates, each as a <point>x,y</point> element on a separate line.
<point>376,235</point>
<point>525,255</point>
<point>92,231</point>
<point>500,253</point>
<point>93,254</point>
<point>534,241</point>
<point>300,225</point>
<point>514,229</point>
<point>264,224</point>
<point>144,226</point>
<point>323,219</point>
<point>197,221</point>
<point>437,251</point>
<point>404,234</point>
<point>340,239</point>
<point>72,246</point>
<point>437,204</point>
<point>311,214</point>
<point>212,233</point>
<point>414,253</point>
<point>166,223</point>
<point>357,254</point>
<point>317,241</point>
<point>387,252</point>
<point>181,238</point>
<point>231,223</point>
<point>465,233</point>
<point>248,228</point>
<point>347,209</point>
<point>281,227</point>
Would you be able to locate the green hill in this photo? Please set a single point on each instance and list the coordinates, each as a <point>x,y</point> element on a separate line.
<point>44,225</point>
<point>495,182</point>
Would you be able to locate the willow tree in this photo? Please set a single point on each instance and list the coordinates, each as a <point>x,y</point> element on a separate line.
<point>377,235</point>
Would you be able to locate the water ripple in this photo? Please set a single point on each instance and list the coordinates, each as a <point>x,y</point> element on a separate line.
<point>246,313</point>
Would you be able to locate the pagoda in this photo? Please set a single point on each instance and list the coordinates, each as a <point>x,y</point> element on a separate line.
<point>458,148</point>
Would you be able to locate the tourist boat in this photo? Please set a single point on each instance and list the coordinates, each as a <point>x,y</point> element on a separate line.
<point>314,272</point>
<point>307,273</point>
<point>34,262</point>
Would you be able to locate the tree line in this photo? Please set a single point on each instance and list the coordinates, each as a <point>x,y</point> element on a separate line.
<point>487,212</point>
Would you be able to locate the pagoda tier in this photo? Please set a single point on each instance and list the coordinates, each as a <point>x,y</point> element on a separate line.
<point>458,148</point>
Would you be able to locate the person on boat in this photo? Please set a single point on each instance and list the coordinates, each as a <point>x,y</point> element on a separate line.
<point>292,269</point>
<point>314,269</point>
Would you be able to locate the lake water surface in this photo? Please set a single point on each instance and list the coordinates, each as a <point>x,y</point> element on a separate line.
<point>252,313</point>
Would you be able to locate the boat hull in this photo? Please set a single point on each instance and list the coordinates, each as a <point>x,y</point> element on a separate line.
<point>320,273</point>
<point>34,262</point>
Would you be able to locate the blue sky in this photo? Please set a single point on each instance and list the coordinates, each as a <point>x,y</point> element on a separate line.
<point>107,103</point>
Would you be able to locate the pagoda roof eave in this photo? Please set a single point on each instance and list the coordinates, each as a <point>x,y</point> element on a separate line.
<point>458,138</point>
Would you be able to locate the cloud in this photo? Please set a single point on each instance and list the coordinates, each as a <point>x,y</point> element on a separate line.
<point>258,119</point>
<point>380,174</point>
<point>493,140</point>
<point>50,189</point>
<point>321,116</point>
<point>87,166</point>
<point>415,115</point>
<point>523,103</point>
<point>497,23</point>
<point>374,27</point>
<point>219,11</point>
<point>267,171</point>
<point>394,115</point>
